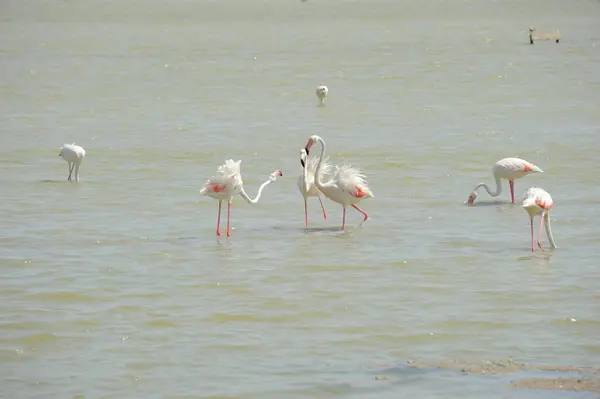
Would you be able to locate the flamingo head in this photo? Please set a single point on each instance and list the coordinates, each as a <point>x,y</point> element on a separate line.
<point>310,143</point>
<point>275,174</point>
<point>472,198</point>
<point>303,157</point>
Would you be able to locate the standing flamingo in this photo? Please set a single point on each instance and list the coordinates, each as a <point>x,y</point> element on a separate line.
<point>538,202</point>
<point>543,36</point>
<point>306,181</point>
<point>322,92</point>
<point>510,169</point>
<point>73,154</point>
<point>226,184</point>
<point>346,187</point>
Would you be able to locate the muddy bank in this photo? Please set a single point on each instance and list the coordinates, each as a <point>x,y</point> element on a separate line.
<point>590,383</point>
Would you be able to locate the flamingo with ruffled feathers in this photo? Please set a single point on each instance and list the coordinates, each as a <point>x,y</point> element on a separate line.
<point>306,181</point>
<point>509,169</point>
<point>537,201</point>
<point>347,185</point>
<point>228,183</point>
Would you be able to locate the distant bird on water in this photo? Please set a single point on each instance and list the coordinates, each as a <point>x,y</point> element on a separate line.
<point>322,92</point>
<point>509,169</point>
<point>543,36</point>
<point>73,154</point>
<point>537,201</point>
<point>306,181</point>
<point>226,184</point>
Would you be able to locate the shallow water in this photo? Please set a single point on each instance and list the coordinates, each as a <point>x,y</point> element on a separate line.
<point>118,286</point>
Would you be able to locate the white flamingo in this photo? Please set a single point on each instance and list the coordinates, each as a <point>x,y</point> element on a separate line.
<point>306,181</point>
<point>509,169</point>
<point>73,154</point>
<point>537,201</point>
<point>226,184</point>
<point>322,92</point>
<point>346,187</point>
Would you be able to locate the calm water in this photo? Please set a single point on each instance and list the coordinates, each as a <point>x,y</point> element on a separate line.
<point>118,287</point>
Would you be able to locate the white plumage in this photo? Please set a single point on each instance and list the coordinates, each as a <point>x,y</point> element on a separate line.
<point>322,93</point>
<point>306,181</point>
<point>73,154</point>
<point>537,201</point>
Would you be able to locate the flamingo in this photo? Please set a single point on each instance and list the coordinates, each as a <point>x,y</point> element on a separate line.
<point>226,184</point>
<point>509,169</point>
<point>306,181</point>
<point>73,154</point>
<point>537,201</point>
<point>322,92</point>
<point>346,187</point>
<point>543,36</point>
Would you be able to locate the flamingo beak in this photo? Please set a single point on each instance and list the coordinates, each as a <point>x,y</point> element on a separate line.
<point>308,145</point>
<point>302,163</point>
<point>470,200</point>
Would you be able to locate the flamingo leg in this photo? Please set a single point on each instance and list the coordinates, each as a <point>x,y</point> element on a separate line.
<point>219,220</point>
<point>532,239</point>
<point>511,184</point>
<point>228,218</point>
<point>343,218</point>
<point>323,207</point>
<point>305,213</point>
<point>361,211</point>
<point>539,243</point>
<point>70,170</point>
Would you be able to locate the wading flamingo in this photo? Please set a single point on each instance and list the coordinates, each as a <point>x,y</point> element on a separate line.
<point>509,169</point>
<point>538,202</point>
<point>346,187</point>
<point>73,154</point>
<point>226,184</point>
<point>306,181</point>
<point>543,36</point>
<point>322,92</point>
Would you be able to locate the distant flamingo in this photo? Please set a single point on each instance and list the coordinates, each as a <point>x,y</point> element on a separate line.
<point>322,92</point>
<point>509,169</point>
<point>346,187</point>
<point>226,184</point>
<point>73,154</point>
<point>306,181</point>
<point>538,202</point>
<point>543,36</point>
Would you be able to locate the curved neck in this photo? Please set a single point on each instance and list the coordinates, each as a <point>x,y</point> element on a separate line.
<point>493,194</point>
<point>549,230</point>
<point>318,170</point>
<point>255,199</point>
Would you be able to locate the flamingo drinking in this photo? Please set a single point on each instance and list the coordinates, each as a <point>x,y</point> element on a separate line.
<point>73,154</point>
<point>537,201</point>
<point>509,169</point>
<point>346,187</point>
<point>226,184</point>
<point>306,181</point>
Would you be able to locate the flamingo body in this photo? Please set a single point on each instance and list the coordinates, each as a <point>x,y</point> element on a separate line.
<point>73,154</point>
<point>322,93</point>
<point>347,185</point>
<point>510,169</point>
<point>537,201</point>
<point>306,181</point>
<point>543,36</point>
<point>228,183</point>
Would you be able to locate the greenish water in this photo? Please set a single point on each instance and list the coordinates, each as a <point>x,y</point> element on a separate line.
<point>118,287</point>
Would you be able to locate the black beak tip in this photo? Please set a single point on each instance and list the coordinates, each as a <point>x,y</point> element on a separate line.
<point>307,150</point>
<point>302,163</point>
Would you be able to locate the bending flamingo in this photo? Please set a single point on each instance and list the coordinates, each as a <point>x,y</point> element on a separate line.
<point>306,181</point>
<point>509,169</point>
<point>538,202</point>
<point>322,92</point>
<point>346,187</point>
<point>226,184</point>
<point>73,154</point>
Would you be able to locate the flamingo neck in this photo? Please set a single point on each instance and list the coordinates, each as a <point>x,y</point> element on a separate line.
<point>490,192</point>
<point>255,199</point>
<point>549,230</point>
<point>318,182</point>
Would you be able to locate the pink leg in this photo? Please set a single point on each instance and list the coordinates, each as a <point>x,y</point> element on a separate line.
<point>511,184</point>
<point>361,211</point>
<point>305,213</point>
<point>343,218</point>
<point>540,234</point>
<point>228,218</point>
<point>323,207</point>
<point>219,220</point>
<point>532,239</point>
